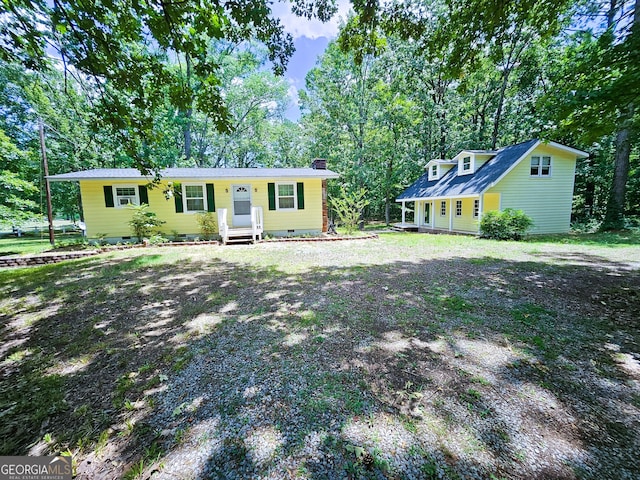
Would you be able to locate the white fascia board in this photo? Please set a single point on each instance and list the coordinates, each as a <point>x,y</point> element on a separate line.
<point>431,162</point>
<point>457,157</point>
<point>513,165</point>
<point>55,178</point>
<point>444,197</point>
<point>575,151</point>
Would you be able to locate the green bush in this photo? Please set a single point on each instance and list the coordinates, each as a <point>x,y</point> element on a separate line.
<point>208,225</point>
<point>508,224</point>
<point>143,222</point>
<point>157,239</point>
<point>349,206</point>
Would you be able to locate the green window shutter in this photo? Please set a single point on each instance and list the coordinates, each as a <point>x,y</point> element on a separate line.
<point>177,197</point>
<point>300,196</point>
<point>271,189</point>
<point>144,196</point>
<point>108,196</point>
<point>211,202</point>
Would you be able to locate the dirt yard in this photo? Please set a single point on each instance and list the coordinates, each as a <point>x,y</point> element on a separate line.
<point>411,356</point>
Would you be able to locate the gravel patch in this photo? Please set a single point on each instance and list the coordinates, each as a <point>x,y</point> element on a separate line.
<point>362,360</point>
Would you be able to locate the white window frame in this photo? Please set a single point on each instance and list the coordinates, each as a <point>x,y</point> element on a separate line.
<point>295,196</point>
<point>185,209</point>
<point>135,196</point>
<point>458,208</point>
<point>434,176</point>
<point>472,164</point>
<point>465,164</point>
<point>443,208</point>
<point>539,167</point>
<point>476,207</point>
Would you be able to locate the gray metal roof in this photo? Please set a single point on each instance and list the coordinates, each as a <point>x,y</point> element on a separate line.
<point>194,173</point>
<point>451,184</point>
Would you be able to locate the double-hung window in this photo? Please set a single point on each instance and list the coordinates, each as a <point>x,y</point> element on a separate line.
<point>126,195</point>
<point>194,198</point>
<point>540,166</point>
<point>458,208</point>
<point>476,208</point>
<point>466,164</point>
<point>443,208</point>
<point>286,196</point>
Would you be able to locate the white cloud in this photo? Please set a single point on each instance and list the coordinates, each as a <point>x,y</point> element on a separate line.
<point>293,91</point>
<point>271,105</point>
<point>301,27</point>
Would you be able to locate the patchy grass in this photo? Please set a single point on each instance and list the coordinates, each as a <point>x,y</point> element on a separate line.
<point>428,356</point>
<point>623,237</point>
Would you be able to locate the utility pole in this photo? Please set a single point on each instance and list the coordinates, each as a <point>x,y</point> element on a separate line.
<point>45,168</point>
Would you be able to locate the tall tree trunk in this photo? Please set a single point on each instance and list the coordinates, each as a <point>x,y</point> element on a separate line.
<point>188,113</point>
<point>498,116</point>
<point>589,189</point>
<point>79,203</point>
<point>387,196</point>
<point>614,216</point>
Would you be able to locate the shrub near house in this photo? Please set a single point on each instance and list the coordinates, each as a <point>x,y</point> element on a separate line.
<point>509,224</point>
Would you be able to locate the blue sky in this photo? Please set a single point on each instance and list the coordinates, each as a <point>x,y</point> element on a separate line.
<point>311,38</point>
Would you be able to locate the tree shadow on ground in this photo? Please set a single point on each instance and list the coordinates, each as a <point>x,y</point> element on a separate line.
<point>445,368</point>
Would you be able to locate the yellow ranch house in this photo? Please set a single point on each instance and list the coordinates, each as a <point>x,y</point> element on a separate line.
<point>535,176</point>
<point>248,201</point>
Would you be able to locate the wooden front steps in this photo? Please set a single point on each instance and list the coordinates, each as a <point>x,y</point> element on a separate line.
<point>404,227</point>
<point>240,235</point>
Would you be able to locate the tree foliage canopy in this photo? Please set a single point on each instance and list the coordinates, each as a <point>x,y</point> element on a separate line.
<point>128,50</point>
<point>155,84</point>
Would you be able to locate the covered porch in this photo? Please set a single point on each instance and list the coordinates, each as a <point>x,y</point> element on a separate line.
<point>446,214</point>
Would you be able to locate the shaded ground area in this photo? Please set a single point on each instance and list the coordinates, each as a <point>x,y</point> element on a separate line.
<point>386,360</point>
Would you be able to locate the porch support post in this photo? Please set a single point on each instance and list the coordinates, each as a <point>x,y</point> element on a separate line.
<point>480,206</point>
<point>404,207</point>
<point>451,214</point>
<point>432,215</point>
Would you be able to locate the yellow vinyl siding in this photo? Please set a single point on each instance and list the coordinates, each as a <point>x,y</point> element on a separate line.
<point>440,221</point>
<point>547,200</point>
<point>466,222</point>
<point>113,222</point>
<point>277,220</point>
<point>491,201</point>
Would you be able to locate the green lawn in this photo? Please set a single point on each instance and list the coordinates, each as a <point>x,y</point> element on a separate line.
<point>23,245</point>
<point>27,245</point>
<point>409,356</point>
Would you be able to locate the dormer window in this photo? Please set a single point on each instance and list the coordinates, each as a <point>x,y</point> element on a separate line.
<point>466,165</point>
<point>438,168</point>
<point>434,171</point>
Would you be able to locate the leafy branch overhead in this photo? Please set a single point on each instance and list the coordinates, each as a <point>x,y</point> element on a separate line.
<point>127,49</point>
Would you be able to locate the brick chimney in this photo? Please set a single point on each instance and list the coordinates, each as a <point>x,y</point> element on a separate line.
<point>319,164</point>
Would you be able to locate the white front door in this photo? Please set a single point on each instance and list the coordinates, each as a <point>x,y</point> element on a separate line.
<point>241,206</point>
